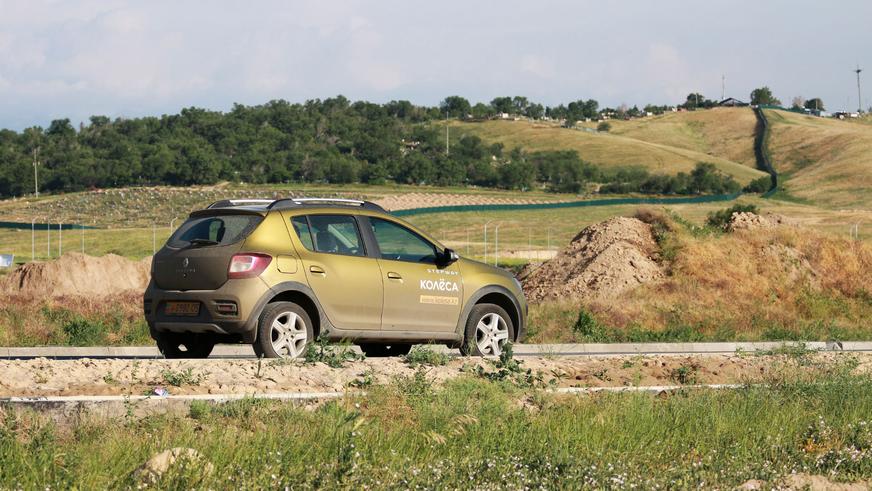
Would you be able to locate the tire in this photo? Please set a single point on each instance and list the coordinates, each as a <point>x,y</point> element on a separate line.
<point>488,328</point>
<point>284,330</point>
<point>375,350</point>
<point>176,346</point>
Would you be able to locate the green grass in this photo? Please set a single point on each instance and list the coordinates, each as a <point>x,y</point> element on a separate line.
<point>469,433</point>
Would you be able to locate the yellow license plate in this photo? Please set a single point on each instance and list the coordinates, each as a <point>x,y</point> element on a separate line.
<point>182,308</point>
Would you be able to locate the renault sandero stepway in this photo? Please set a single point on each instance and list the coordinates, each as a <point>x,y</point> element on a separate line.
<point>278,274</point>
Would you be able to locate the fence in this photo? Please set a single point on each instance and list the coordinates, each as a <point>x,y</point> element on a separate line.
<point>569,204</point>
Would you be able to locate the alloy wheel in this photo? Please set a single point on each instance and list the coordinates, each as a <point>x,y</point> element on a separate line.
<point>491,334</point>
<point>288,335</point>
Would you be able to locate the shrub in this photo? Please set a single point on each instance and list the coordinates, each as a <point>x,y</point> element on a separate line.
<point>604,126</point>
<point>759,185</point>
<point>84,332</point>
<point>720,219</point>
<point>334,357</point>
<point>423,355</point>
<point>588,327</point>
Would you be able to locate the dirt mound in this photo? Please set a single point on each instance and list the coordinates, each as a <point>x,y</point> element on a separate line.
<point>602,261</point>
<point>753,221</point>
<point>78,274</point>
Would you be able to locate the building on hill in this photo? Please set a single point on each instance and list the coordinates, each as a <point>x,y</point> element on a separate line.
<point>732,102</point>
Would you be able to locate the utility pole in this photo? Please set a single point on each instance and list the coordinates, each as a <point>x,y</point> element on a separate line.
<point>859,98</point>
<point>447,136</point>
<point>35,176</point>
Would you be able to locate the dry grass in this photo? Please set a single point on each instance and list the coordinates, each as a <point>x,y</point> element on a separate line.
<point>724,132</point>
<point>616,149</point>
<point>28,321</point>
<point>826,161</point>
<point>756,284</point>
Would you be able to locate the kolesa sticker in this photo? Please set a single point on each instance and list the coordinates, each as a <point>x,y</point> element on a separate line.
<point>439,285</point>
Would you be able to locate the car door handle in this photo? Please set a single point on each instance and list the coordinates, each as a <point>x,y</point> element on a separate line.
<point>394,276</point>
<point>317,270</point>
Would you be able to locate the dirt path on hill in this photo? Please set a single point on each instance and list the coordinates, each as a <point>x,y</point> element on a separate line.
<point>43,377</point>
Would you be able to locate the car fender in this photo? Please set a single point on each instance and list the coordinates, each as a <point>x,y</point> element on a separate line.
<point>478,295</point>
<point>291,286</point>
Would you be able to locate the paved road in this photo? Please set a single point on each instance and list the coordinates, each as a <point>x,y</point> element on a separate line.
<point>588,349</point>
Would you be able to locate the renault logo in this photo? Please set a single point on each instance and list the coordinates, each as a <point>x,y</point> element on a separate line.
<point>185,262</point>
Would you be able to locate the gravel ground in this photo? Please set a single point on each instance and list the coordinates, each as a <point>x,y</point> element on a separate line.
<point>44,377</point>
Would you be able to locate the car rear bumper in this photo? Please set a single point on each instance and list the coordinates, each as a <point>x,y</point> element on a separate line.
<point>246,294</point>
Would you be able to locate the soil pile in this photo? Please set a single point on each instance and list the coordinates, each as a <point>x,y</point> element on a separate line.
<point>753,221</point>
<point>602,261</point>
<point>76,274</point>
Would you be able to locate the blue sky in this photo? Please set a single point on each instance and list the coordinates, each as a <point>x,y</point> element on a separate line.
<point>124,58</point>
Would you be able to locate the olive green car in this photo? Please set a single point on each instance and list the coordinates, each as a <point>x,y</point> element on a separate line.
<point>278,274</point>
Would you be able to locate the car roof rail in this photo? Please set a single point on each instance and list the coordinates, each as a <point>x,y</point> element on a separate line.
<point>226,203</point>
<point>294,202</point>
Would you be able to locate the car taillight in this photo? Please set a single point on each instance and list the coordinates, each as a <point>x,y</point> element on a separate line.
<point>247,265</point>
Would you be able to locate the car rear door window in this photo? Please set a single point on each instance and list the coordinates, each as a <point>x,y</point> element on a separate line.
<point>331,234</point>
<point>398,243</point>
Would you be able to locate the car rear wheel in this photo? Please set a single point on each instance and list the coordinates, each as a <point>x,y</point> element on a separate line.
<point>174,346</point>
<point>375,350</point>
<point>284,330</point>
<point>488,329</point>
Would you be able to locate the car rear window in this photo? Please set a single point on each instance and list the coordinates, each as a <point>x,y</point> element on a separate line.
<point>214,230</point>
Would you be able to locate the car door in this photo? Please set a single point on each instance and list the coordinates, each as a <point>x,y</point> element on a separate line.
<point>418,295</point>
<point>346,282</point>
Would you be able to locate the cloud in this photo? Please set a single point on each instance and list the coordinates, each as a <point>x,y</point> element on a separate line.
<point>123,57</point>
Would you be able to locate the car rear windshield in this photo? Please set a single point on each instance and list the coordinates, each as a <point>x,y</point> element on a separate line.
<point>214,230</point>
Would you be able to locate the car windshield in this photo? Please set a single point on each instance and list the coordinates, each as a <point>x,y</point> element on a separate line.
<point>213,230</point>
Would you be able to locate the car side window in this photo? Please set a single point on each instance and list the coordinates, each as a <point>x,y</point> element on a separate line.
<point>398,243</point>
<point>331,234</point>
<point>301,227</point>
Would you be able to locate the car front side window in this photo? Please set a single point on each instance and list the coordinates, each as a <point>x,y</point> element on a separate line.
<point>397,243</point>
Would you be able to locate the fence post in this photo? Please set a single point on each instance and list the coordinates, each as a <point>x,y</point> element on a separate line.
<point>497,243</point>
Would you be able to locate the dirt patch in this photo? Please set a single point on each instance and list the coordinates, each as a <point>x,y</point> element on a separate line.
<point>77,274</point>
<point>43,377</point>
<point>427,200</point>
<point>810,482</point>
<point>753,221</point>
<point>602,261</point>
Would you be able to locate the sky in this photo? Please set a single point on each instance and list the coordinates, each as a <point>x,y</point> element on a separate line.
<point>73,59</point>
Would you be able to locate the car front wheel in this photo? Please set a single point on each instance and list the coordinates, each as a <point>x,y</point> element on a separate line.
<point>488,329</point>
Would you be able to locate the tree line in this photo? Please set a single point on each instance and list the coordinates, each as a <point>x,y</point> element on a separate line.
<point>333,140</point>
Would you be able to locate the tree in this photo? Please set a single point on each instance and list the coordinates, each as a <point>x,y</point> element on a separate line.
<point>815,104</point>
<point>455,106</point>
<point>763,96</point>
<point>482,111</point>
<point>502,104</point>
<point>534,111</point>
<point>694,100</point>
<point>797,102</point>
<point>604,126</point>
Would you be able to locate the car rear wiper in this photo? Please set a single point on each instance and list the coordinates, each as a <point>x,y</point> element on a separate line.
<point>202,242</point>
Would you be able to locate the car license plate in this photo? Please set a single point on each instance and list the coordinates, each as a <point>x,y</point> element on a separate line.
<point>182,308</point>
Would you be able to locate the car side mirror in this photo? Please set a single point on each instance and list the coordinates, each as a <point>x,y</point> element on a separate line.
<point>447,257</point>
